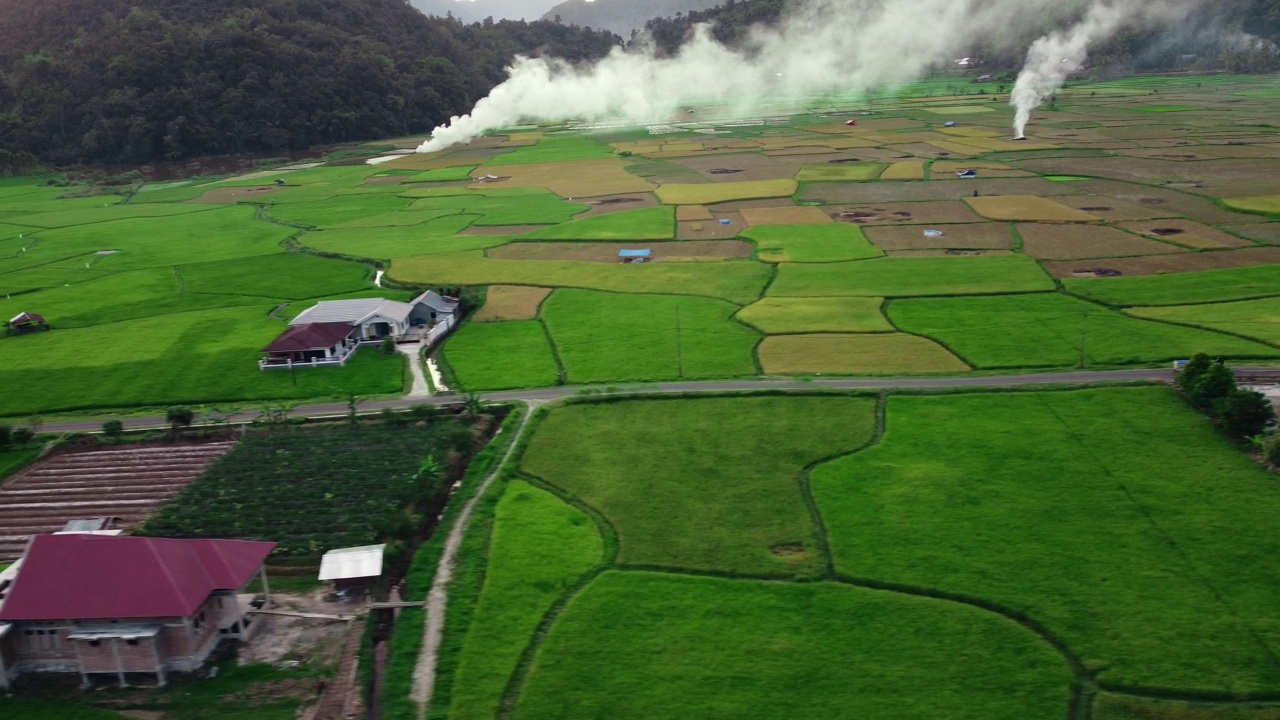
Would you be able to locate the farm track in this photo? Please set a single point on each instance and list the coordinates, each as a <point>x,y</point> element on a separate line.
<point>1084,377</point>
<point>129,483</point>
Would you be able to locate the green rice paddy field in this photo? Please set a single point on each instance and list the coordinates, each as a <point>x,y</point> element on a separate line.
<point>1089,554</point>
<point>984,555</point>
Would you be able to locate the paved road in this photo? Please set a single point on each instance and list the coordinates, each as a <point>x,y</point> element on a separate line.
<point>554,393</point>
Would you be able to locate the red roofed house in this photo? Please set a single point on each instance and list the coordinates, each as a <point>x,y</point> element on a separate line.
<point>331,343</point>
<point>26,322</point>
<point>117,605</point>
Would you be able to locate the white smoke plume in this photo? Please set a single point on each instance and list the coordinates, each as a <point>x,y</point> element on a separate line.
<point>821,46</point>
<point>1055,56</point>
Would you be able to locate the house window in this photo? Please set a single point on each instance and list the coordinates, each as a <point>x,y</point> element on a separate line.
<point>131,641</point>
<point>95,643</point>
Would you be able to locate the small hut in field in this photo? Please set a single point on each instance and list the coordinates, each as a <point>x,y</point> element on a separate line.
<point>25,323</point>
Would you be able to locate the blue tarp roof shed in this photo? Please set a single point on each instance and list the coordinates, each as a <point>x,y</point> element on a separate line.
<point>634,253</point>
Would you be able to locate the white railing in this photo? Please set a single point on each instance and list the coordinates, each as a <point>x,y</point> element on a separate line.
<point>336,361</point>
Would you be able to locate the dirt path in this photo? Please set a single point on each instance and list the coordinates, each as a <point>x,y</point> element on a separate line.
<point>413,352</point>
<point>424,675</point>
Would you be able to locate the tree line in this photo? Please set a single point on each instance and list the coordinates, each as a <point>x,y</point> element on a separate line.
<point>131,81</point>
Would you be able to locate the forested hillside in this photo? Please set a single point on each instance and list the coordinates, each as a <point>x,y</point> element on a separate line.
<point>136,80</point>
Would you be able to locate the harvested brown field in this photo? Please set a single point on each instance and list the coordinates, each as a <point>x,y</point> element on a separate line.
<point>587,252</point>
<point>1261,232</point>
<point>792,215</point>
<point>129,483</point>
<point>1161,264</point>
<point>693,213</point>
<point>511,302</point>
<point>947,169</point>
<point>576,179</point>
<point>1220,178</point>
<point>735,168</point>
<point>225,195</point>
<point>832,193</point>
<point>712,229</point>
<point>869,354</point>
<point>617,203</point>
<point>1187,233</point>
<point>1075,242</point>
<point>1167,200</point>
<point>1114,210</point>
<point>1026,208</point>
<point>925,150</point>
<point>904,213</point>
<point>969,236</point>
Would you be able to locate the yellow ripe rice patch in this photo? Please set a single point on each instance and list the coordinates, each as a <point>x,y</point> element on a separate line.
<point>712,193</point>
<point>683,147</point>
<point>1263,204</point>
<point>906,170</point>
<point>1026,208</point>
<point>693,213</point>
<point>946,169</point>
<point>780,316</point>
<point>792,215</point>
<point>575,179</point>
<point>870,354</point>
<point>1186,233</point>
<point>511,302</point>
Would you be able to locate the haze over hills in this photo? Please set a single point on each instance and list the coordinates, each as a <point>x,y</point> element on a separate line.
<point>478,10</point>
<point>621,16</point>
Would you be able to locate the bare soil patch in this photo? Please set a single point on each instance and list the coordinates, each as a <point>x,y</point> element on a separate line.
<point>947,169</point>
<point>511,302</point>
<point>969,236</point>
<point>1187,233</point>
<point>793,215</point>
<point>226,195</point>
<point>280,637</point>
<point>1221,178</point>
<point>904,213</point>
<point>1162,264</point>
<point>1074,242</point>
<point>666,251</point>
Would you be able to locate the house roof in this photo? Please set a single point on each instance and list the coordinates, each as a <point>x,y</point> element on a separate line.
<point>354,311</point>
<point>311,336</point>
<point>26,317</point>
<point>437,302</point>
<point>353,562</point>
<point>101,577</point>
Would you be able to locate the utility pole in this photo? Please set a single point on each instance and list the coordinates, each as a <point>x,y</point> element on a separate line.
<point>679,348</point>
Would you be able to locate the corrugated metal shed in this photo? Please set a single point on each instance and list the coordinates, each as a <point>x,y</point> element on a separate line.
<point>634,253</point>
<point>353,562</point>
<point>353,311</point>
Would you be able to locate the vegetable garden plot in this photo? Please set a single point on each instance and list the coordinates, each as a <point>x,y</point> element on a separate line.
<point>315,489</point>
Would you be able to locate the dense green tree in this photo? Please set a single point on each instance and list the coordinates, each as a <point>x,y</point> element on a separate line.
<point>1245,413</point>
<point>1212,386</point>
<point>119,81</point>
